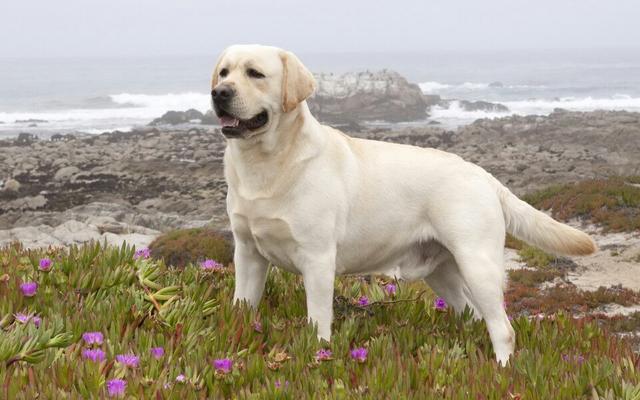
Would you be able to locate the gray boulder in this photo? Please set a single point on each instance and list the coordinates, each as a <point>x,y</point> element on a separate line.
<point>11,185</point>
<point>367,96</point>
<point>482,106</point>
<point>65,173</point>
<point>177,117</point>
<point>209,118</point>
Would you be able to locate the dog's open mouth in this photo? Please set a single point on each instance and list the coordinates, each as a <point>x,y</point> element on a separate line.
<point>235,127</point>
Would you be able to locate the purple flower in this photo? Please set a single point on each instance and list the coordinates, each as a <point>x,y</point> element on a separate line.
<point>22,318</point>
<point>25,318</point>
<point>129,360</point>
<point>363,301</point>
<point>181,378</point>
<point>390,288</point>
<point>29,289</point>
<point>116,387</point>
<point>45,264</point>
<point>92,338</point>
<point>579,358</point>
<point>95,355</point>
<point>143,253</point>
<point>157,352</point>
<point>211,265</point>
<point>257,326</point>
<point>440,304</point>
<point>278,384</point>
<point>359,354</point>
<point>323,354</point>
<point>223,365</point>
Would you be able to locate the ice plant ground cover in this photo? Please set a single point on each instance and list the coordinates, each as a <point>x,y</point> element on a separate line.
<point>398,345</point>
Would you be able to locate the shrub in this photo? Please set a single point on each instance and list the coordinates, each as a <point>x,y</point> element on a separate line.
<point>613,202</point>
<point>534,257</point>
<point>183,246</point>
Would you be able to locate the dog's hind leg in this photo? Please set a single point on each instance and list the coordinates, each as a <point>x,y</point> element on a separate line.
<point>483,275</point>
<point>447,283</point>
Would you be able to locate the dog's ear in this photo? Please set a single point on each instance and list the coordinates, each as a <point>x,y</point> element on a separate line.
<point>297,82</point>
<point>216,71</point>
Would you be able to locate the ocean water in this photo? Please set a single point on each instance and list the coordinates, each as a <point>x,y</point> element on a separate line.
<point>99,94</point>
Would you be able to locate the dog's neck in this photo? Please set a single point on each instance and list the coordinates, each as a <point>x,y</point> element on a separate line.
<point>256,166</point>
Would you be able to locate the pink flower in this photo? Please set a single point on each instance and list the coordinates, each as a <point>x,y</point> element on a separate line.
<point>128,360</point>
<point>92,338</point>
<point>157,352</point>
<point>95,355</point>
<point>25,318</point>
<point>257,326</point>
<point>363,301</point>
<point>181,378</point>
<point>210,265</point>
<point>323,354</point>
<point>29,289</point>
<point>440,304</point>
<point>45,264</point>
<point>223,365</point>
<point>278,384</point>
<point>359,354</point>
<point>116,387</point>
<point>143,253</point>
<point>390,288</point>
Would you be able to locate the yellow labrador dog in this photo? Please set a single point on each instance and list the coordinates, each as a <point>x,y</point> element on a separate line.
<point>309,199</point>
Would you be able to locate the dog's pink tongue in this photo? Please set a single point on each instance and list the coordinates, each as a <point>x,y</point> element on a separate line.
<point>229,121</point>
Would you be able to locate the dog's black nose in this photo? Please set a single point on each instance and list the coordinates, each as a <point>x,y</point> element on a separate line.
<point>222,92</point>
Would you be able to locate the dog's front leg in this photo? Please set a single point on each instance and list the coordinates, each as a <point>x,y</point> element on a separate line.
<point>251,273</point>
<point>318,284</point>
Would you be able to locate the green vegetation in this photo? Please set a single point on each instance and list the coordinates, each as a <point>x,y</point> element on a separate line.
<point>613,203</point>
<point>184,246</point>
<point>413,350</point>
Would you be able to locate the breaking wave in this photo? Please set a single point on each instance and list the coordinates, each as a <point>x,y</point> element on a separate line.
<point>457,115</point>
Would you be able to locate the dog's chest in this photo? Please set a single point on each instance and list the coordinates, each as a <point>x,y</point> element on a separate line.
<point>272,235</point>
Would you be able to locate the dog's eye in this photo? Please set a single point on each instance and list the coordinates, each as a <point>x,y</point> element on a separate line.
<point>224,72</point>
<point>255,74</point>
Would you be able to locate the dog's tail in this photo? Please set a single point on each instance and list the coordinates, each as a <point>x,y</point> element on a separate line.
<point>537,228</point>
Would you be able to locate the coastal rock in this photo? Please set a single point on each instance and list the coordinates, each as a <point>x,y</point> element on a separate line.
<point>177,117</point>
<point>482,106</point>
<point>31,121</point>
<point>69,233</point>
<point>367,96</point>
<point>65,173</point>
<point>11,185</point>
<point>24,204</point>
<point>26,139</point>
<point>472,105</point>
<point>210,118</point>
<point>123,183</point>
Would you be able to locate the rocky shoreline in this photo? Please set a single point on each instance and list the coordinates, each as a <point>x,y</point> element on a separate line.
<point>160,178</point>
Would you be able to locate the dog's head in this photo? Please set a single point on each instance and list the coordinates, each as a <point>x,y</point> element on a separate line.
<point>253,86</point>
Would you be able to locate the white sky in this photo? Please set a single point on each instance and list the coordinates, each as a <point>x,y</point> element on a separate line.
<point>34,28</point>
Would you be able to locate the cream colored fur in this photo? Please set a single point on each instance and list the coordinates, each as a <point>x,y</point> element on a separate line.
<point>307,198</point>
